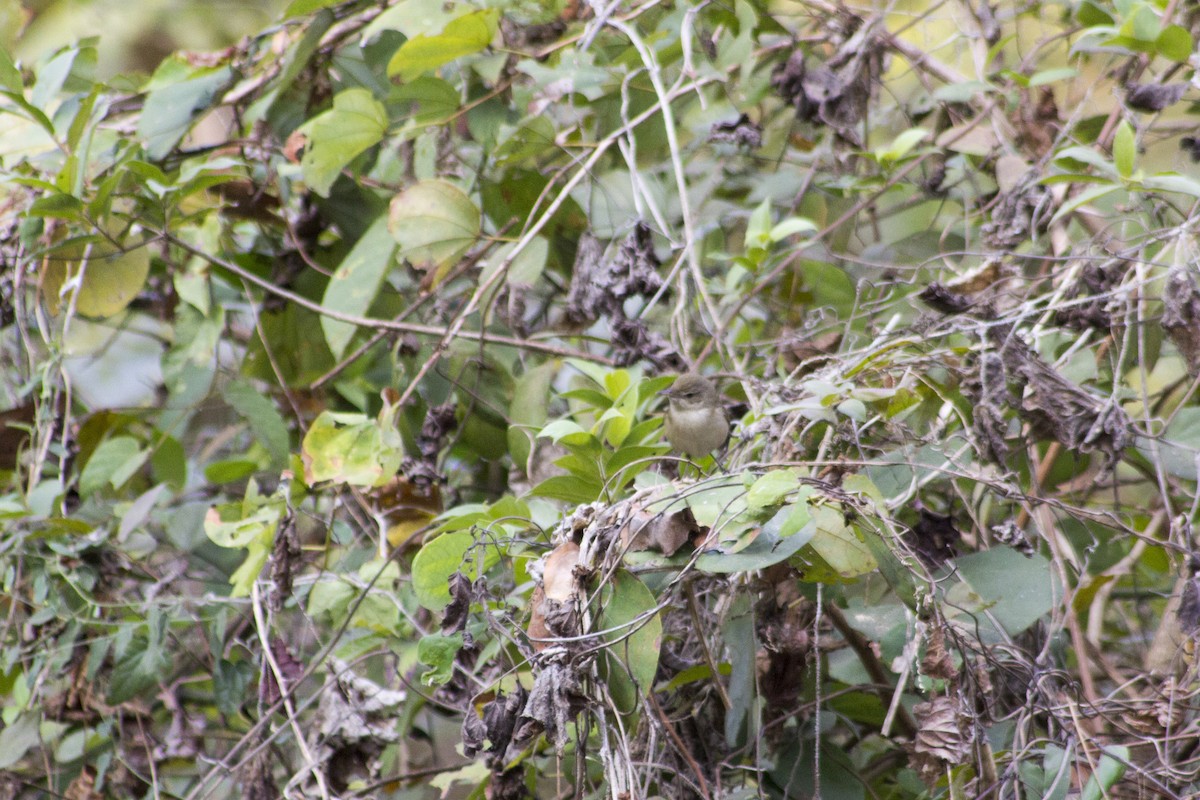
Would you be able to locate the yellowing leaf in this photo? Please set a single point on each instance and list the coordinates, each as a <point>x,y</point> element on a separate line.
<point>351,448</point>
<point>434,222</point>
<point>111,277</point>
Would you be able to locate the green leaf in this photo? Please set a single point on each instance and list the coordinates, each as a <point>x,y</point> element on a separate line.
<point>171,109</point>
<point>112,463</point>
<point>258,550</point>
<point>562,429</point>
<point>902,145</point>
<point>1052,76</point>
<point>302,8</point>
<point>463,36</point>
<point>1170,182</point>
<point>241,531</point>
<point>771,488</point>
<point>1083,198</point>
<point>839,546</point>
<point>438,652</point>
<point>781,537</point>
<point>569,489</point>
<point>1110,770</point>
<point>356,122</point>
<point>758,229</point>
<point>790,227</point>
<point>10,76</point>
<point>139,670</point>
<point>332,597</point>
<point>228,470</point>
<point>1178,446</point>
<point>440,559</point>
<point>435,223</point>
<point>528,410</point>
<point>1175,44</point>
<point>1124,149</point>
<point>356,282</point>
<point>1017,591</point>
<point>58,205</point>
<point>265,421</point>
<point>633,637</point>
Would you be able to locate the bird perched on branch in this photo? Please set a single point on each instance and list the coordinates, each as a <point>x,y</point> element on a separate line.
<point>695,422</point>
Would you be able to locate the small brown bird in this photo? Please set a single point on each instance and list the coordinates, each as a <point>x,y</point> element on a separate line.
<point>695,422</point>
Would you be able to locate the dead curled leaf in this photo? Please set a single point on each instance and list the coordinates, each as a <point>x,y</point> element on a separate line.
<point>1015,375</point>
<point>553,611</point>
<point>1181,315</point>
<point>666,533</point>
<point>943,737</point>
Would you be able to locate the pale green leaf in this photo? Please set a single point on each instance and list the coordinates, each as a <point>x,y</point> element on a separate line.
<point>356,122</point>
<point>434,223</point>
<point>463,36</point>
<point>1124,149</point>
<point>356,282</point>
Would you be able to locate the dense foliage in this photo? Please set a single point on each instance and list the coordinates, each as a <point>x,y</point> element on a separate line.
<point>333,462</point>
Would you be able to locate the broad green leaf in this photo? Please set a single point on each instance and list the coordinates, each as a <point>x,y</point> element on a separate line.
<point>561,429</point>
<point>1050,779</point>
<point>228,470</point>
<point>1016,591</point>
<point>257,551</point>
<point>437,652</point>
<point>1052,76</point>
<point>1178,448</point>
<point>717,503</point>
<point>356,122</point>
<point>171,108</point>
<point>302,8</point>
<point>351,448</point>
<point>1124,149</point>
<point>1083,198</point>
<point>140,669</point>
<point>356,282</point>
<point>1169,182</point>
<point>837,543</point>
<point>780,538</point>
<point>332,597</point>
<point>439,559</point>
<point>531,399</point>
<point>771,488</point>
<point>463,36</point>
<point>435,223</point>
<point>758,229</point>
<point>57,205</point>
<point>241,531</point>
<point>112,463</point>
<point>1111,769</point>
<point>569,489</point>
<point>1175,43</point>
<point>264,418</point>
<point>633,637</point>
<point>10,76</point>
